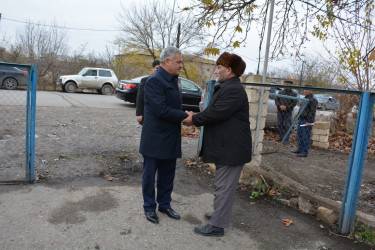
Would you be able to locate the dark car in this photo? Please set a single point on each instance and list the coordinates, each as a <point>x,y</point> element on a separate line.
<point>191,93</point>
<point>327,102</point>
<point>12,77</point>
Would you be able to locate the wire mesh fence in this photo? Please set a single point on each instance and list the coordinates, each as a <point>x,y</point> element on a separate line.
<point>310,139</point>
<point>12,134</point>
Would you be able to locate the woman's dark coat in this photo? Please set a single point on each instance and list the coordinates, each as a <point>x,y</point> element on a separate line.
<point>227,136</point>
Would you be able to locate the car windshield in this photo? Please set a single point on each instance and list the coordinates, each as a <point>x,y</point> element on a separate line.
<point>137,79</point>
<point>82,71</point>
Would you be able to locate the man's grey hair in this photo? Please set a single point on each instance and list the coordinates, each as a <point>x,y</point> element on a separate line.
<point>169,53</point>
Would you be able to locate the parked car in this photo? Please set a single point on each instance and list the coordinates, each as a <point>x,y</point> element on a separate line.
<point>103,80</point>
<point>327,102</point>
<point>12,77</point>
<point>127,90</point>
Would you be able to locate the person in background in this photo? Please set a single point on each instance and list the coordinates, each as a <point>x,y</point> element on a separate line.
<point>160,143</point>
<point>285,108</point>
<point>305,124</point>
<point>140,94</point>
<point>226,139</point>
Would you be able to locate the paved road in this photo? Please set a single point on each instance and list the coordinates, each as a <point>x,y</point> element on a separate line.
<point>62,99</point>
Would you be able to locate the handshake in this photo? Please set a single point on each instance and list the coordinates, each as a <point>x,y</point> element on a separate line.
<point>188,121</point>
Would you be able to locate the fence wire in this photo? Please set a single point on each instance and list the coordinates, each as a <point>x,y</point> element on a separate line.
<point>316,152</point>
<point>12,134</point>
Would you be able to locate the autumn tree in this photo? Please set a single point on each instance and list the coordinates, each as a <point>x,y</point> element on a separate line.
<point>149,28</point>
<point>42,45</point>
<point>232,21</point>
<point>354,41</point>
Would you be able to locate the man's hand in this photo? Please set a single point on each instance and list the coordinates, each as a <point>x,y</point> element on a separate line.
<point>188,121</point>
<point>140,119</point>
<point>283,107</point>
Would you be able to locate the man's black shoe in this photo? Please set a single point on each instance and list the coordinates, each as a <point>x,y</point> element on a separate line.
<point>296,151</point>
<point>209,230</point>
<point>208,216</point>
<point>302,155</point>
<point>171,213</point>
<point>152,216</point>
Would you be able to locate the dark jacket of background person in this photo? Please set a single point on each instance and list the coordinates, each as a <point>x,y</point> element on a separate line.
<point>140,97</point>
<point>161,131</point>
<point>289,103</point>
<point>226,124</point>
<point>308,114</point>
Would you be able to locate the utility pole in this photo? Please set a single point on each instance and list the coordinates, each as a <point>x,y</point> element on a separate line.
<point>170,27</point>
<point>301,75</point>
<point>257,130</point>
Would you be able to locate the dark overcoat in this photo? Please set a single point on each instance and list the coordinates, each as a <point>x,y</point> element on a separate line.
<point>140,97</point>
<point>227,136</point>
<point>161,131</point>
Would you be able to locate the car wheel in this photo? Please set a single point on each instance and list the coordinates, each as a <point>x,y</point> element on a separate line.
<point>107,90</point>
<point>10,83</point>
<point>70,87</point>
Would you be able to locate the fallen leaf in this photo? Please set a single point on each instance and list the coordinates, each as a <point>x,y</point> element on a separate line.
<point>287,222</point>
<point>271,192</point>
<point>110,178</point>
<point>191,163</point>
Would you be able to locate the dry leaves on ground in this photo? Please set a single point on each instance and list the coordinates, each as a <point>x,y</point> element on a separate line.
<point>191,132</point>
<point>287,222</point>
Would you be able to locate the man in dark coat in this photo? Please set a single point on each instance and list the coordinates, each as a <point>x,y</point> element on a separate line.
<point>305,124</point>
<point>285,108</point>
<point>226,138</point>
<point>161,134</point>
<point>140,94</point>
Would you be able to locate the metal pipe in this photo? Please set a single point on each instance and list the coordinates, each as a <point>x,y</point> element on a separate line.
<point>261,99</point>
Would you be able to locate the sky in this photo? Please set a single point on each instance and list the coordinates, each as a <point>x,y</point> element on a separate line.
<point>83,19</point>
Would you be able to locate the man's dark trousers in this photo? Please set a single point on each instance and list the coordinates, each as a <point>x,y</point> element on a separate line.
<point>284,121</point>
<point>303,134</point>
<point>165,169</point>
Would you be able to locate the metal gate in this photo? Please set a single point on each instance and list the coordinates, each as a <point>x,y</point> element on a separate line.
<point>17,126</point>
<point>358,150</point>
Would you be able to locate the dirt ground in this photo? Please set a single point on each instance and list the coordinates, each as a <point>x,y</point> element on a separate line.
<point>95,146</point>
<point>323,171</point>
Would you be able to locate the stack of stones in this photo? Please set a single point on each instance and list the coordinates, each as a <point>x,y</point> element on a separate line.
<point>253,94</point>
<point>320,134</point>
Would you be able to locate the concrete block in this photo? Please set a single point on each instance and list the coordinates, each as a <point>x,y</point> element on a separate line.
<point>315,137</point>
<point>327,215</point>
<point>320,131</point>
<point>253,110</point>
<point>318,144</point>
<point>254,96</point>
<point>253,123</point>
<point>324,138</point>
<point>322,125</point>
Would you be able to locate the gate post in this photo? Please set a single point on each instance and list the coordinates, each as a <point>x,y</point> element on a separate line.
<point>209,89</point>
<point>357,162</point>
<point>30,123</point>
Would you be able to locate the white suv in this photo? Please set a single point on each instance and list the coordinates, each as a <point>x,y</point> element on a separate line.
<point>103,80</point>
